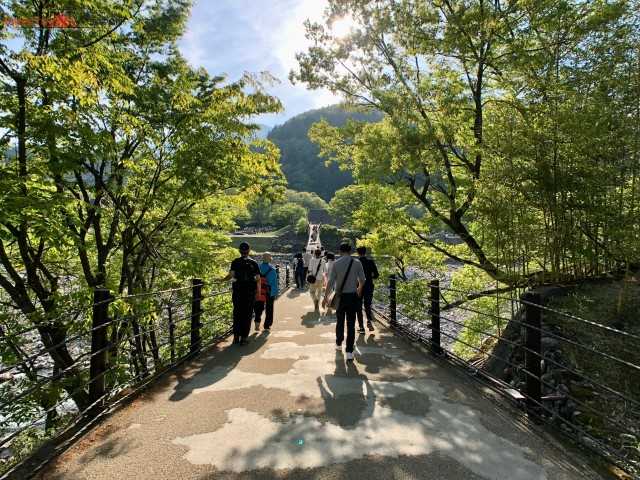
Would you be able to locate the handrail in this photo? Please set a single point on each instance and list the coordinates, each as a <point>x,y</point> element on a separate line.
<point>145,336</point>
<point>540,375</point>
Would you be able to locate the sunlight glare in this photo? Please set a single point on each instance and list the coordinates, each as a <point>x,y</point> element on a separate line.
<point>342,27</point>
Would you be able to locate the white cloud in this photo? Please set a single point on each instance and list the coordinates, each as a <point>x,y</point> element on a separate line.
<point>234,36</point>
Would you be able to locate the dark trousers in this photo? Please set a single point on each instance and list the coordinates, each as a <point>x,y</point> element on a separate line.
<point>267,308</point>
<point>347,309</point>
<point>300,276</point>
<point>365,300</point>
<point>243,300</point>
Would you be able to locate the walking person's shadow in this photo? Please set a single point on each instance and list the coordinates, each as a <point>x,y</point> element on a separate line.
<point>347,394</point>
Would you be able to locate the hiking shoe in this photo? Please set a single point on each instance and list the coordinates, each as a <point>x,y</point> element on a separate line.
<point>369,326</point>
<point>244,342</point>
<point>361,330</point>
<point>257,326</point>
<point>350,356</point>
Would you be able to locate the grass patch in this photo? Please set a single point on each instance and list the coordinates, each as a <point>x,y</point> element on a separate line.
<point>258,243</point>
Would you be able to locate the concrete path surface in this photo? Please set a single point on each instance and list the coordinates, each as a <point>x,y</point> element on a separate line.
<point>289,406</point>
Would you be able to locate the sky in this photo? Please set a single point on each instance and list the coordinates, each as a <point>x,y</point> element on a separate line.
<point>234,36</point>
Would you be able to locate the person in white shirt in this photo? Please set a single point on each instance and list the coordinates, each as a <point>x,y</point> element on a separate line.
<point>317,269</point>
<point>329,259</point>
<point>306,256</point>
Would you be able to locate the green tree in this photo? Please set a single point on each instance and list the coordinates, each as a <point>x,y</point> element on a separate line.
<point>121,151</point>
<point>346,203</point>
<point>307,200</point>
<point>484,105</point>
<point>286,214</point>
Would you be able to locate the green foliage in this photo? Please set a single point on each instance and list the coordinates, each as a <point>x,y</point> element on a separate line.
<point>119,158</point>
<point>480,330</point>
<point>261,208</point>
<point>286,214</point>
<point>346,203</point>
<point>302,225</point>
<point>23,445</point>
<point>516,142</point>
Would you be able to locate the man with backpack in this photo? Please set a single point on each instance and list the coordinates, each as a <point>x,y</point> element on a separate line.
<point>245,274</point>
<point>268,293</point>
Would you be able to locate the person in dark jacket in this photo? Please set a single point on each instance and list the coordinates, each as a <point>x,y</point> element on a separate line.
<point>245,274</point>
<point>371,272</point>
<point>299,270</point>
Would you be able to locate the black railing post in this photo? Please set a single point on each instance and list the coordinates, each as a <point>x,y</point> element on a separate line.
<point>278,278</point>
<point>435,316</point>
<point>392,300</point>
<point>196,311</point>
<point>172,334</point>
<point>532,356</point>
<point>99,343</point>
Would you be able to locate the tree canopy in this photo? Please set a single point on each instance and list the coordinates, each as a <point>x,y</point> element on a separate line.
<point>510,123</point>
<point>115,151</point>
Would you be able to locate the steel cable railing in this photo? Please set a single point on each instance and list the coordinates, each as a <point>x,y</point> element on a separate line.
<point>546,384</point>
<point>126,342</point>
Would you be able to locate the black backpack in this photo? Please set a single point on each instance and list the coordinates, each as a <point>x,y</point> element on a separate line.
<point>245,273</point>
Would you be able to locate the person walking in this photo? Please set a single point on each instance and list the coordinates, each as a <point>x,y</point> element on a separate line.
<point>330,257</point>
<point>267,271</point>
<point>299,271</point>
<point>306,256</point>
<point>245,275</point>
<point>366,297</point>
<point>347,276</point>
<point>317,269</point>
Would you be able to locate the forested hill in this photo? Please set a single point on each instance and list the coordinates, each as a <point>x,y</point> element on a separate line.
<point>304,171</point>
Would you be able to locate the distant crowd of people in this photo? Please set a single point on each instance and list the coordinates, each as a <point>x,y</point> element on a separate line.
<point>254,230</point>
<point>348,284</point>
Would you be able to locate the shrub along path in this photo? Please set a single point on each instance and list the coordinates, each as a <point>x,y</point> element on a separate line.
<point>289,406</point>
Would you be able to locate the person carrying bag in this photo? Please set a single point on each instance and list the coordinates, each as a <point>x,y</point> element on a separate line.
<point>316,281</point>
<point>334,297</point>
<point>351,277</point>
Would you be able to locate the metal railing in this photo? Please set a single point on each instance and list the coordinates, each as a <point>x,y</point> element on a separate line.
<point>543,357</point>
<point>119,346</point>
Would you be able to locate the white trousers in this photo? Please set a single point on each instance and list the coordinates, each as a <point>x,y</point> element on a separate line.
<point>315,289</point>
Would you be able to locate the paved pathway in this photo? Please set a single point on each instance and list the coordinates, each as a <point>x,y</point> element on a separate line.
<point>289,406</point>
